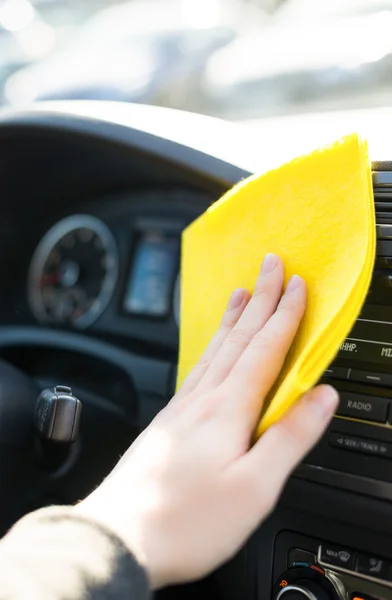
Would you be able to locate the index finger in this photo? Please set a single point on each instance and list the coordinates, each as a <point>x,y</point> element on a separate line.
<point>260,364</point>
<point>237,303</point>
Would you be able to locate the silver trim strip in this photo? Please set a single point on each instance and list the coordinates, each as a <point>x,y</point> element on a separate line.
<point>374,321</point>
<point>294,588</point>
<point>369,341</point>
<point>352,573</point>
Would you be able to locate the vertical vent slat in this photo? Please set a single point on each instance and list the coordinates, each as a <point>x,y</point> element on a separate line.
<point>383,196</point>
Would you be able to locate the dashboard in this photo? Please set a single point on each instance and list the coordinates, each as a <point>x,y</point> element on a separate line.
<point>93,200</point>
<point>111,269</point>
<point>91,216</point>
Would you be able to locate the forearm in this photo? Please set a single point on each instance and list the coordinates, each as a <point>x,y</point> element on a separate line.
<point>53,554</point>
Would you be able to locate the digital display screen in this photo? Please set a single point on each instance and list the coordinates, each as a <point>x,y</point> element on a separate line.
<point>369,341</point>
<point>152,276</point>
<point>371,337</point>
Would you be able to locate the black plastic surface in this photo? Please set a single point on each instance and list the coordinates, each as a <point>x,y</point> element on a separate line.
<point>361,406</point>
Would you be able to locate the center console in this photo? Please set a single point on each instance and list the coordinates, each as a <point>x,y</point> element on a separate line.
<point>341,549</point>
<point>330,537</point>
<point>356,453</point>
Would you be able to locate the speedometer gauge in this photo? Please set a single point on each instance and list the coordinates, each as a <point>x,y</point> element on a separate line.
<point>73,272</point>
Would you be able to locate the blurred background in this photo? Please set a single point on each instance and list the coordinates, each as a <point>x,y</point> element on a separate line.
<point>235,59</point>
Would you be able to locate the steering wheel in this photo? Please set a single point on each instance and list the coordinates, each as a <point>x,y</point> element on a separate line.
<point>36,471</point>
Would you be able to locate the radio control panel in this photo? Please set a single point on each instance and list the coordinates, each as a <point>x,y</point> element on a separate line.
<point>359,440</point>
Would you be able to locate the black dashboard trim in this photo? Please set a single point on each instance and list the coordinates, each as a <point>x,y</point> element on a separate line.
<point>343,480</point>
<point>218,171</point>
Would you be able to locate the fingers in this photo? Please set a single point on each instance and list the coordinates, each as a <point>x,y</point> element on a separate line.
<point>286,443</point>
<point>265,298</point>
<point>259,365</point>
<point>237,303</point>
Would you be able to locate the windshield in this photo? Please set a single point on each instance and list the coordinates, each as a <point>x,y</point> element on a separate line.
<point>235,59</point>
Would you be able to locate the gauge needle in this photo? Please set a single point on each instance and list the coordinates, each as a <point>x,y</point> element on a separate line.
<point>50,279</point>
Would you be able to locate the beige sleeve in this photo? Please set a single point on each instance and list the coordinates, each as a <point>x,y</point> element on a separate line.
<point>52,555</point>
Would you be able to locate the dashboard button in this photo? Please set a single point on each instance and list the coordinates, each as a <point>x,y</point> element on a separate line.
<point>361,445</point>
<point>337,557</point>
<point>336,372</point>
<point>373,566</point>
<point>384,379</point>
<point>358,406</point>
<point>357,596</point>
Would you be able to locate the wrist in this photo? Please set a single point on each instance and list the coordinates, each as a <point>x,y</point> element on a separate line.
<point>94,511</point>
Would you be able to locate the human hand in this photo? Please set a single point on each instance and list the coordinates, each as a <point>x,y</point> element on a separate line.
<point>191,489</point>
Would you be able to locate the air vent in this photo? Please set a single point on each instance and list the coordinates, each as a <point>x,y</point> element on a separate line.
<point>383,213</point>
<point>382,183</point>
<point>383,203</point>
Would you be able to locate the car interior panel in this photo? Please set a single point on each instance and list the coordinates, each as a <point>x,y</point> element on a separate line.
<point>90,199</point>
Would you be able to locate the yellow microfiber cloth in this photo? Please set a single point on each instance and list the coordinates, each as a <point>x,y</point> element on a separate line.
<point>317,214</point>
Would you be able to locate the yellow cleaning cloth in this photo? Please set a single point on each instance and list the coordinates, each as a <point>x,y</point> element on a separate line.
<point>317,214</point>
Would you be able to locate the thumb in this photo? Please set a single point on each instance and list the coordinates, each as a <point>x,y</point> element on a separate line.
<point>287,442</point>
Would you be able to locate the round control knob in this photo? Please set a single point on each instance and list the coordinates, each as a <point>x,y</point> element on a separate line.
<point>304,583</point>
<point>303,590</point>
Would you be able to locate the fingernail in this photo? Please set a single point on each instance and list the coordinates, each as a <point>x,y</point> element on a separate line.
<point>325,400</point>
<point>236,299</point>
<point>270,263</point>
<point>294,283</point>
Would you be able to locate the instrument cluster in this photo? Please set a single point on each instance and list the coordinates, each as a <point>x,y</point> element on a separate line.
<point>116,260</point>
